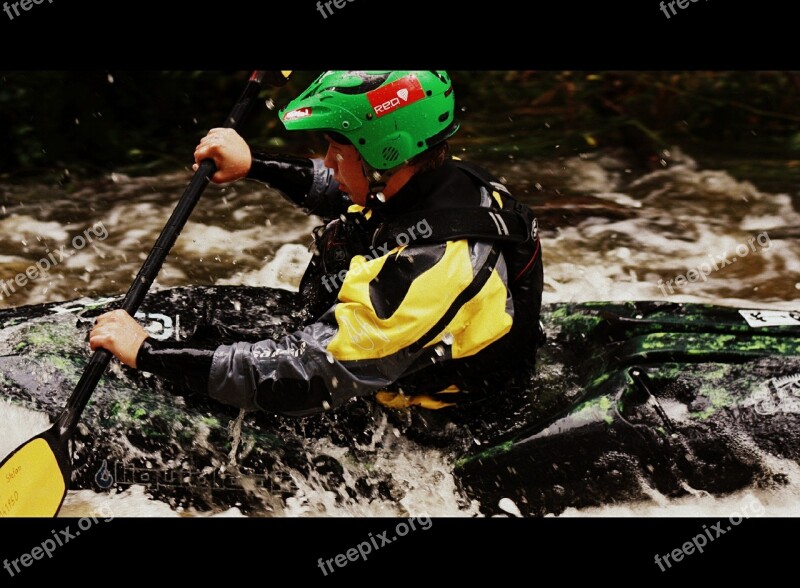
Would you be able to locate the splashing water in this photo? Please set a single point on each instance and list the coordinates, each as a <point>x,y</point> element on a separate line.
<point>608,234</point>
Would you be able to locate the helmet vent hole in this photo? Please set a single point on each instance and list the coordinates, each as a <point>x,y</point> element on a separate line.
<point>444,116</point>
<point>390,154</point>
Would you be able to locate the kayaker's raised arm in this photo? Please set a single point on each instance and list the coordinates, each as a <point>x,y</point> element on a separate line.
<point>426,277</point>
<point>305,182</point>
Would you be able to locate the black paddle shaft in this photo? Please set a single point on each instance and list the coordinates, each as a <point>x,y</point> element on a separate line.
<point>99,361</point>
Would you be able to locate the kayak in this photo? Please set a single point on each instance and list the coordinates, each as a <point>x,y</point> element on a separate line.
<point>625,399</point>
<point>648,396</point>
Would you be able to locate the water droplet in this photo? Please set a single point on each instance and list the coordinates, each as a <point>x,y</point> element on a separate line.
<point>326,405</point>
<point>329,357</point>
<point>270,104</point>
<point>507,505</point>
<point>439,351</point>
<point>447,338</point>
<point>110,79</point>
<point>237,305</point>
<point>77,121</point>
<point>381,197</point>
<point>334,382</point>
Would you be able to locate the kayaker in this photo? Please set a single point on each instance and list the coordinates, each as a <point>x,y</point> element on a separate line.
<point>426,280</point>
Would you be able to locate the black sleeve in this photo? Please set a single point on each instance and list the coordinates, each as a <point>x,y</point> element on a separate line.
<point>305,182</point>
<point>183,364</point>
<point>292,176</point>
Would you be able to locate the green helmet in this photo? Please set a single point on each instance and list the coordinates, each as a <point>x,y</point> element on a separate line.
<point>388,116</point>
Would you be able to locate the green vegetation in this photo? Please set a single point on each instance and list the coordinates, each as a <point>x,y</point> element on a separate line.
<point>59,124</point>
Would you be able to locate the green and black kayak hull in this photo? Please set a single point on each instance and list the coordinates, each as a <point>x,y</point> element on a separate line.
<point>630,400</point>
<point>626,400</point>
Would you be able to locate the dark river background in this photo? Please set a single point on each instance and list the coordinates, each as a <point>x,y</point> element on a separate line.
<point>637,178</point>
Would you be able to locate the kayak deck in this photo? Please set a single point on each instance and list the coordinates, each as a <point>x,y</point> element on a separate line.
<point>625,397</point>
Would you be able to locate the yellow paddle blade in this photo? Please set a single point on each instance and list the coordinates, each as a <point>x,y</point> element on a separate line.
<point>31,482</point>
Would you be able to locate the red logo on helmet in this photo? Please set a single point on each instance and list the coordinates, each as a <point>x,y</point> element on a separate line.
<point>396,95</point>
<point>299,113</point>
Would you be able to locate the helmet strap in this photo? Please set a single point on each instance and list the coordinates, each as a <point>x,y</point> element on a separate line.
<point>377,184</point>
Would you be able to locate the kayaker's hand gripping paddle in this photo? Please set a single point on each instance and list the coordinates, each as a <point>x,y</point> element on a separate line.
<point>35,477</point>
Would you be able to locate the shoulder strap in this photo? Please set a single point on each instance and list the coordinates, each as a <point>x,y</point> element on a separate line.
<point>452,224</point>
<point>513,223</point>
